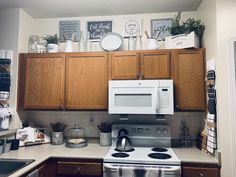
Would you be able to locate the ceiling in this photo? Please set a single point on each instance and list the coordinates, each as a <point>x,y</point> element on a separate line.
<point>72,8</point>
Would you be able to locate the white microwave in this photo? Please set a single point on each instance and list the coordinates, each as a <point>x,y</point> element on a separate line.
<point>141,97</point>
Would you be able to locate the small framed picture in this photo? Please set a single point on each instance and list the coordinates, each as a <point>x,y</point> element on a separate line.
<point>97,29</point>
<point>67,28</point>
<point>160,28</point>
<point>131,26</point>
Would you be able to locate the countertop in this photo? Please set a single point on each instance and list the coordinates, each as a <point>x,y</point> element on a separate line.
<point>42,152</point>
<point>194,155</point>
<point>93,151</point>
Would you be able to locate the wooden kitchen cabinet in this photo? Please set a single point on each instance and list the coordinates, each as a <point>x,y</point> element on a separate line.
<point>45,169</point>
<point>200,170</point>
<point>75,81</point>
<point>155,64</point>
<point>81,168</point>
<point>41,81</point>
<point>124,65</point>
<point>147,64</point>
<point>188,73</point>
<point>86,81</point>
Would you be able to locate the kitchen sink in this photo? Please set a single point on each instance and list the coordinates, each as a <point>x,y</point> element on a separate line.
<point>8,166</point>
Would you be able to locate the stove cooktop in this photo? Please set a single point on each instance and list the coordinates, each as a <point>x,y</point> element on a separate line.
<point>143,155</point>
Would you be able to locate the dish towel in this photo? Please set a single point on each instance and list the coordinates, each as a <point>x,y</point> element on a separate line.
<point>211,116</point>
<point>5,115</point>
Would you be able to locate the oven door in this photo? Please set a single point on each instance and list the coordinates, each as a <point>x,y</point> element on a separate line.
<point>138,170</point>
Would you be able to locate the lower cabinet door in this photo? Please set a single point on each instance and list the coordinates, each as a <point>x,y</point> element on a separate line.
<point>200,172</point>
<point>79,169</point>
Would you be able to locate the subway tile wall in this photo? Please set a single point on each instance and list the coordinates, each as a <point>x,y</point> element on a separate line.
<point>91,119</point>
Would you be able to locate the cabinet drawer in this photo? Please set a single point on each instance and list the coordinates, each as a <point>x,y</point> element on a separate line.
<point>81,168</point>
<point>200,172</point>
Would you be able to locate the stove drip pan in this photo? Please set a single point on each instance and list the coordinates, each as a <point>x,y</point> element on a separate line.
<point>158,149</point>
<point>130,150</point>
<point>120,154</point>
<point>159,156</point>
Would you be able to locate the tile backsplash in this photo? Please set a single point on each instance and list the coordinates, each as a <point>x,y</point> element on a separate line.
<point>91,119</point>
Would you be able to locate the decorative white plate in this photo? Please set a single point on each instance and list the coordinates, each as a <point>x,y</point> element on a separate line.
<point>111,41</point>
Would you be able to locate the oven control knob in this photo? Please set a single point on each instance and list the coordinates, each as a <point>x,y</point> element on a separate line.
<point>165,131</point>
<point>158,131</point>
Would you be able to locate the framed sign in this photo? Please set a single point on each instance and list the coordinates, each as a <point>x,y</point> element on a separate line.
<point>160,28</point>
<point>97,29</point>
<point>67,28</point>
<point>131,26</point>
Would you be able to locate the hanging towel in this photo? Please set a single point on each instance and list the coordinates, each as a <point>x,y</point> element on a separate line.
<point>211,136</point>
<point>127,171</point>
<point>5,115</point>
<point>140,172</point>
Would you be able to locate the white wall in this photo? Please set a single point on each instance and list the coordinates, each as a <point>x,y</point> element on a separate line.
<point>207,13</point>
<point>226,28</point>
<point>26,29</point>
<point>9,31</point>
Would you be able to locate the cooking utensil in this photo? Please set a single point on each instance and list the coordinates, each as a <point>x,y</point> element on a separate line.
<point>123,143</point>
<point>111,41</point>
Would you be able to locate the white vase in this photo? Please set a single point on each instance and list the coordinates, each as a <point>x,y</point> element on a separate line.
<point>69,47</point>
<point>52,48</point>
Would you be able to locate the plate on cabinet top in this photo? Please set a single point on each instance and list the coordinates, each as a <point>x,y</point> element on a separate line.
<point>111,41</point>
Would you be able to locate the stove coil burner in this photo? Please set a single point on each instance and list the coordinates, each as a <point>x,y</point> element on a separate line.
<point>159,149</point>
<point>120,154</point>
<point>130,150</point>
<point>159,156</point>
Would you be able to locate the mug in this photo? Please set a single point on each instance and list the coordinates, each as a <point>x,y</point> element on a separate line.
<point>15,144</point>
<point>154,43</point>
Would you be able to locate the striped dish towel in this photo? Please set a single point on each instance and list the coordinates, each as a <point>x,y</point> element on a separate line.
<point>211,136</point>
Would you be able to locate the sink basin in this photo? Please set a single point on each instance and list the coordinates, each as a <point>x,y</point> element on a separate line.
<point>8,166</point>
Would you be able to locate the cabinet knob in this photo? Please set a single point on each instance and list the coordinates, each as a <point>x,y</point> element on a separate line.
<point>137,76</point>
<point>141,75</point>
<point>201,174</point>
<point>177,106</point>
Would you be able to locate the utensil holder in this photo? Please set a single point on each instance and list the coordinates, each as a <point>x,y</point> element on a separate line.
<point>105,139</point>
<point>57,138</point>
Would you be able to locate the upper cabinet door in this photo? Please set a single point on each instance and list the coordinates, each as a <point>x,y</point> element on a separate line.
<point>188,72</point>
<point>155,64</point>
<point>44,81</point>
<point>124,65</point>
<point>86,80</point>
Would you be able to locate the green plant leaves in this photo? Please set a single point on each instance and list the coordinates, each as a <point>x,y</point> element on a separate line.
<point>187,27</point>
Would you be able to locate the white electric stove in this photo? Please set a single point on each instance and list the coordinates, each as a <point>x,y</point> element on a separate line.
<point>151,153</point>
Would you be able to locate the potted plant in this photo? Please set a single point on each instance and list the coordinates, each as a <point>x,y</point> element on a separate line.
<point>52,43</point>
<point>187,27</point>
<point>105,134</point>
